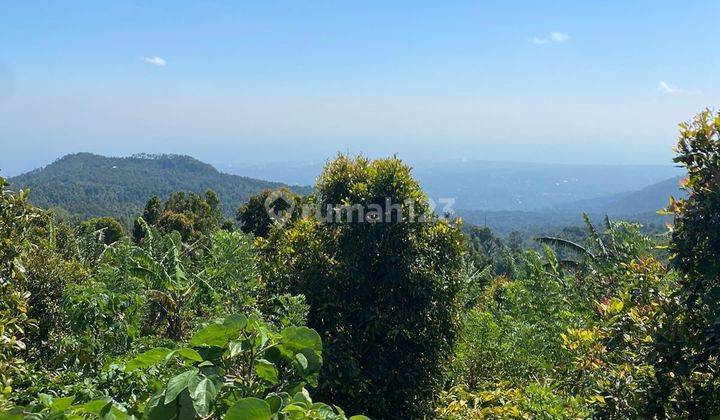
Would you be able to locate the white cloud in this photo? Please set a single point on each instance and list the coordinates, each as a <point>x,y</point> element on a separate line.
<point>551,38</point>
<point>155,61</point>
<point>675,91</point>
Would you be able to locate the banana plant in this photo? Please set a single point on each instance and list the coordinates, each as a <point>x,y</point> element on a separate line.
<point>159,264</point>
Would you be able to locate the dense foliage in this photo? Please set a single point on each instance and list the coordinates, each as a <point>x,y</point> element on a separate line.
<point>119,330</point>
<point>382,290</point>
<point>193,216</point>
<point>342,297</point>
<point>84,185</point>
<point>688,349</point>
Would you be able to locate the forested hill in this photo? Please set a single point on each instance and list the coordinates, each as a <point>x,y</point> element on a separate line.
<point>638,206</point>
<point>648,199</point>
<point>87,185</point>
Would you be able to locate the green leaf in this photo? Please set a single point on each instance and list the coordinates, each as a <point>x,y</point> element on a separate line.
<point>157,410</point>
<point>299,338</point>
<point>178,384</point>
<point>190,354</point>
<point>62,404</point>
<point>45,399</point>
<point>212,335</point>
<point>359,417</point>
<point>302,360</point>
<point>147,359</point>
<point>324,410</point>
<point>236,322</point>
<point>203,392</point>
<point>266,370</point>
<point>220,333</point>
<point>303,397</point>
<point>249,409</point>
<point>236,347</point>
<point>13,414</point>
<point>96,406</point>
<point>274,401</point>
<point>293,407</point>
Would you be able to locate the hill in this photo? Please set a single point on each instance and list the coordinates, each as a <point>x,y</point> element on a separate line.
<point>87,185</point>
<point>648,199</point>
<point>638,206</point>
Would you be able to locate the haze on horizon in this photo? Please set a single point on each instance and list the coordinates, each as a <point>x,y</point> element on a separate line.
<point>288,81</point>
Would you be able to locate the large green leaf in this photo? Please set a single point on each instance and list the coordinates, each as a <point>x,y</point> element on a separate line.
<point>266,370</point>
<point>147,359</point>
<point>62,404</point>
<point>203,392</point>
<point>219,333</point>
<point>249,409</point>
<point>155,409</point>
<point>190,354</point>
<point>13,414</point>
<point>274,401</point>
<point>178,384</point>
<point>96,406</point>
<point>301,337</point>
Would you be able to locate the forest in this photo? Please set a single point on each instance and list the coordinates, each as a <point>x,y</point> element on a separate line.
<point>187,313</point>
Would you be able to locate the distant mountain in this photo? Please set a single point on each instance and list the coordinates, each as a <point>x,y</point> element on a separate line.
<point>638,206</point>
<point>484,185</point>
<point>649,199</point>
<point>87,185</point>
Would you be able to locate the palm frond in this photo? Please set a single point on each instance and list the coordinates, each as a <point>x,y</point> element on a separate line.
<point>560,243</point>
<point>608,224</point>
<point>595,236</point>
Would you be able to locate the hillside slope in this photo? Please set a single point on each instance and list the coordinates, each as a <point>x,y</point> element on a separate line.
<point>638,206</point>
<point>649,199</point>
<point>87,185</point>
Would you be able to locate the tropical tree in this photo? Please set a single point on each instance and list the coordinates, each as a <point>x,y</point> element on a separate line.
<point>688,348</point>
<point>255,215</point>
<point>382,282</point>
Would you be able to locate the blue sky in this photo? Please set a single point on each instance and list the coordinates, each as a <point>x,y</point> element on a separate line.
<point>563,81</point>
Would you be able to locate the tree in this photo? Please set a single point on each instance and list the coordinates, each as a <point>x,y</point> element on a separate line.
<point>17,218</point>
<point>151,215</point>
<point>515,242</point>
<point>191,215</point>
<point>107,229</point>
<point>688,350</point>
<point>254,216</point>
<point>382,282</point>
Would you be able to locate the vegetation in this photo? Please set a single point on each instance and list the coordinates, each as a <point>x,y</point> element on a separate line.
<point>389,311</point>
<point>688,347</point>
<point>192,216</point>
<point>382,293</point>
<point>84,185</point>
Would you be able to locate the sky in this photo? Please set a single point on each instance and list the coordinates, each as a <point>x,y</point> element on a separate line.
<point>551,81</point>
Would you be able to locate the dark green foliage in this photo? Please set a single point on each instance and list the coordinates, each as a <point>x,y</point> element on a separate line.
<point>189,214</point>
<point>487,250</point>
<point>17,219</point>
<point>588,324</point>
<point>254,216</point>
<point>689,346</point>
<point>383,295</point>
<point>87,185</point>
<point>151,215</point>
<point>107,229</point>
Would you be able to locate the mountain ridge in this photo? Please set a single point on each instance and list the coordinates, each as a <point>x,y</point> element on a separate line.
<point>89,185</point>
